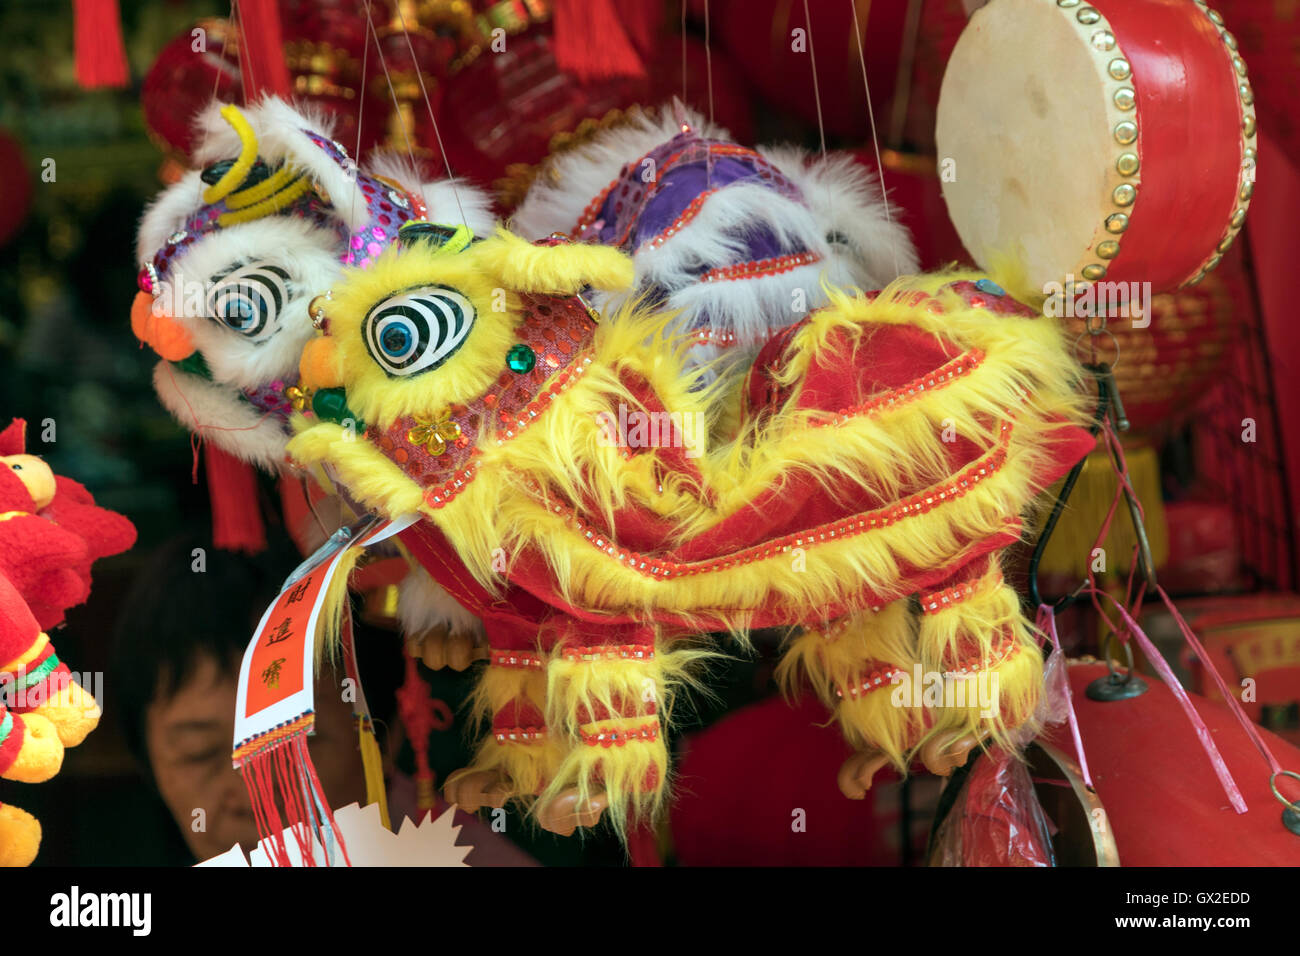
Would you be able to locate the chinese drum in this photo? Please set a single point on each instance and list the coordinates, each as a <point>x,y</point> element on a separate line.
<point>1106,140</point>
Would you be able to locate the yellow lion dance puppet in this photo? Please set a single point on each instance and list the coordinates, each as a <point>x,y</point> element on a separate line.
<point>601,502</point>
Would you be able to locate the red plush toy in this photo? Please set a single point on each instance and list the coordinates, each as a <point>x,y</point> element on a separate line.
<point>51,531</point>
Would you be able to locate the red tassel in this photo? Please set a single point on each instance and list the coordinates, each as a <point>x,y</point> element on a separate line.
<point>101,55</point>
<point>591,43</point>
<point>283,776</point>
<point>236,518</point>
<point>416,706</point>
<point>642,20</point>
<point>261,50</point>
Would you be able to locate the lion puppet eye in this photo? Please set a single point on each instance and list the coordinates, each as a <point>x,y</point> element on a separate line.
<point>418,330</point>
<point>250,299</point>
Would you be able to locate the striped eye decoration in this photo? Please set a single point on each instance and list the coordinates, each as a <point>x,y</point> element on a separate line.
<point>249,299</point>
<point>417,331</point>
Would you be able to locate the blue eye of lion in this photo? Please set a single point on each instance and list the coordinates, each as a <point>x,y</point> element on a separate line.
<point>417,331</point>
<point>396,339</point>
<point>249,299</point>
<point>238,314</point>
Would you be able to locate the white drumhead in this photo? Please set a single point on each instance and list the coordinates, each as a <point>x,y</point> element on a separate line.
<point>1027,116</point>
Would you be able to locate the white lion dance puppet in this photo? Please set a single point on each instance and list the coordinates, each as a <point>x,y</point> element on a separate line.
<point>233,254</point>
<point>739,240</point>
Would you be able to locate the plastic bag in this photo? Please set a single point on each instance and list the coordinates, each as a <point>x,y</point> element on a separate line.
<point>996,818</point>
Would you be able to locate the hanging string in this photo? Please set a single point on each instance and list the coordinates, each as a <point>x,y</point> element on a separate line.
<point>446,164</point>
<point>903,78</point>
<point>817,94</point>
<point>875,140</point>
<point>246,60</point>
<point>708,58</point>
<point>356,153</point>
<point>683,51</point>
<point>383,63</point>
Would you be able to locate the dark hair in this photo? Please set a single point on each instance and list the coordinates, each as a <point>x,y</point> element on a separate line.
<point>176,615</point>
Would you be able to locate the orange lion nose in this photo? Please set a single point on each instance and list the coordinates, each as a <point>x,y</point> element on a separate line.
<point>318,365</point>
<point>160,331</point>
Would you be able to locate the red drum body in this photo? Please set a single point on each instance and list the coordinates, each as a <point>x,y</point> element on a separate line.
<point>1160,795</point>
<point>1109,140</point>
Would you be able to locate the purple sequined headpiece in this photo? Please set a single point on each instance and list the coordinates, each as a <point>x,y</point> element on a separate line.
<point>387,207</point>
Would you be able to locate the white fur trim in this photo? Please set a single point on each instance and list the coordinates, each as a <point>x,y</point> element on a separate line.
<point>167,213</point>
<point>422,603</point>
<point>218,415</point>
<point>845,198</point>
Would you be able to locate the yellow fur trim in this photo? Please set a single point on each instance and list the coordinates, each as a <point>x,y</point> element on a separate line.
<point>567,453</point>
<point>619,772</point>
<point>561,269</point>
<point>994,702</point>
<point>832,658</point>
<point>529,766</point>
<point>621,686</point>
<point>29,655</point>
<point>880,721</point>
<point>836,663</point>
<point>330,620</point>
<point>371,478</point>
<point>498,686</point>
<point>983,618</point>
<point>626,689</point>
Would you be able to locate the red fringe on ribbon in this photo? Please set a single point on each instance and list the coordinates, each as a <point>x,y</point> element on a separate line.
<point>284,776</point>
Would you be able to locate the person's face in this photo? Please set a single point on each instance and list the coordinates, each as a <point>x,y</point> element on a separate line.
<point>189,738</point>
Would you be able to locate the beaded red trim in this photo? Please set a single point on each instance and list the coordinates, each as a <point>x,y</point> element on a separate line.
<point>619,738</point>
<point>708,336</point>
<point>941,600</point>
<point>514,423</point>
<point>971,666</point>
<point>872,680</point>
<point>687,214</point>
<point>963,364</point>
<point>919,503</point>
<point>521,735</point>
<point>760,267</point>
<point>614,652</point>
<point>833,630</point>
<point>517,659</point>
